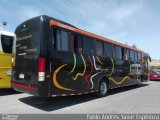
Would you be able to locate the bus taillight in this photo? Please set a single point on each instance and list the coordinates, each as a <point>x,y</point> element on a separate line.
<point>41,70</point>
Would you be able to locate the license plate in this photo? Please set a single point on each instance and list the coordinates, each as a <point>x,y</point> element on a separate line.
<point>155,75</point>
<point>21,76</point>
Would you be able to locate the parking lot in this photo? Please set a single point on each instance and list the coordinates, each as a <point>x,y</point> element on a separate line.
<point>145,99</point>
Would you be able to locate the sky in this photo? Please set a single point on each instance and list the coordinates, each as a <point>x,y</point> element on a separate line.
<point>126,21</point>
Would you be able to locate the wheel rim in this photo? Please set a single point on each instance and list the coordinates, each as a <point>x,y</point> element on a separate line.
<point>103,88</point>
<point>139,80</point>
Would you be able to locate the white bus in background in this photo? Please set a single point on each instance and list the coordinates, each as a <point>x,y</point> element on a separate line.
<point>7,52</point>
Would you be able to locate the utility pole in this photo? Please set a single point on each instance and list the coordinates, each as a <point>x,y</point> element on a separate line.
<point>4,24</point>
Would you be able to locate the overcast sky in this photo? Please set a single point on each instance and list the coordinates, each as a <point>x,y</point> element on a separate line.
<point>126,21</point>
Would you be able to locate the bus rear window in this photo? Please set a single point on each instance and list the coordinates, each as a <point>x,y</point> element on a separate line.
<point>7,43</point>
<point>28,38</point>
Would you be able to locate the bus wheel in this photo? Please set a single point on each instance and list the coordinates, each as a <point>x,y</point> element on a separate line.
<point>103,89</point>
<point>139,82</point>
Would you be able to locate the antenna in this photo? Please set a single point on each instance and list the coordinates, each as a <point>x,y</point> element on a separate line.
<point>4,24</point>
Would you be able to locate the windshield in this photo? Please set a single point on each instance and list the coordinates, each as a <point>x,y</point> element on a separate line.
<point>28,36</point>
<point>7,43</point>
<point>155,73</point>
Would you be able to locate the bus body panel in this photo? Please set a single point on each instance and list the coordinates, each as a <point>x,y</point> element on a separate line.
<point>5,70</point>
<point>62,64</point>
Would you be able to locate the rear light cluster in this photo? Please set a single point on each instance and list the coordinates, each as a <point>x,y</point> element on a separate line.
<point>13,64</point>
<point>41,70</point>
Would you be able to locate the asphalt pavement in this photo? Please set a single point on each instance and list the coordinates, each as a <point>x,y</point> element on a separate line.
<point>145,99</point>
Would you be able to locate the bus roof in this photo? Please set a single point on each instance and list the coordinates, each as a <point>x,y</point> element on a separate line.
<point>56,23</point>
<point>70,27</point>
<point>6,33</point>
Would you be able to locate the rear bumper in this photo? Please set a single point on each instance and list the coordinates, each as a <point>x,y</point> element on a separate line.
<point>33,90</point>
<point>154,78</point>
<point>144,78</point>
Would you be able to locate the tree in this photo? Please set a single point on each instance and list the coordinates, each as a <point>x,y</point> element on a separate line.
<point>146,59</point>
<point>134,46</point>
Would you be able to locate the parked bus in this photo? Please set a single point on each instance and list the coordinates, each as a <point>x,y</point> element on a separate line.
<point>54,58</point>
<point>7,51</point>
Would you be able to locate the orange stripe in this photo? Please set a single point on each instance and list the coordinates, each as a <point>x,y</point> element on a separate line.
<point>55,23</point>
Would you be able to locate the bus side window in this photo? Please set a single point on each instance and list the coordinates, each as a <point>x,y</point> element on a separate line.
<point>99,48</point>
<point>56,43</point>
<point>132,55</point>
<point>75,43</point>
<point>71,41</point>
<point>136,56</point>
<point>118,51</point>
<point>139,57</point>
<point>128,55</point>
<point>64,40</point>
<point>114,50</point>
<point>108,50</point>
<point>88,45</point>
<point>124,54</point>
<point>79,44</point>
<point>60,40</point>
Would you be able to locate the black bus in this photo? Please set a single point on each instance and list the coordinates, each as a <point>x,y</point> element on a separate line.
<point>54,58</point>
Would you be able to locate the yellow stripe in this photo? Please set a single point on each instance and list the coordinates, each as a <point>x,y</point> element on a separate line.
<point>81,74</point>
<point>5,67</point>
<point>55,79</point>
<point>99,61</point>
<point>118,83</point>
<point>112,67</point>
<point>75,62</point>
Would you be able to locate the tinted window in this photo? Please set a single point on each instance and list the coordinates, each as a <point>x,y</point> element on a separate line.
<point>29,37</point>
<point>99,48</point>
<point>7,43</point>
<point>128,55</point>
<point>56,39</point>
<point>60,40</point>
<point>132,55</point>
<point>139,56</point>
<point>118,51</point>
<point>64,40</point>
<point>75,42</point>
<point>88,45</point>
<point>108,50</point>
<point>124,54</point>
<point>136,56</point>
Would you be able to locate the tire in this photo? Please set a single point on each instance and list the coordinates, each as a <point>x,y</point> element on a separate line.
<point>103,89</point>
<point>139,82</point>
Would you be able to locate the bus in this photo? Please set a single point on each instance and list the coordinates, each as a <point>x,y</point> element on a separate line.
<point>7,51</point>
<point>54,58</point>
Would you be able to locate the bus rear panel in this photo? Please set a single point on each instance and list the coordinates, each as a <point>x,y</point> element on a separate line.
<point>30,64</point>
